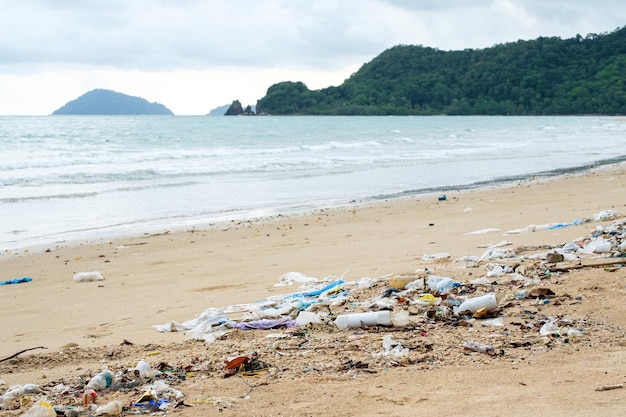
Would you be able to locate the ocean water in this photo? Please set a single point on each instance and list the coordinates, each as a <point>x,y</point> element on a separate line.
<point>72,178</point>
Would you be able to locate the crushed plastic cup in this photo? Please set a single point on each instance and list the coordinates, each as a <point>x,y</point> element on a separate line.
<point>113,408</point>
<point>89,397</point>
<point>41,408</point>
<point>144,370</point>
<point>548,328</point>
<point>442,284</point>
<point>400,318</point>
<point>393,348</point>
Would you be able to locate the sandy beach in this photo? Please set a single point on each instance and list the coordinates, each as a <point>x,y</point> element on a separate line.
<point>319,369</point>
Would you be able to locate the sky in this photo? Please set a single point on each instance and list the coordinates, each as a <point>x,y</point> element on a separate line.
<point>195,55</point>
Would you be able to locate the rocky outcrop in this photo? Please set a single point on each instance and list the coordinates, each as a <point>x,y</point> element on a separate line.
<point>236,109</point>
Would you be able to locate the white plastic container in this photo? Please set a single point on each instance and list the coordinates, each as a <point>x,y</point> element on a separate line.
<point>88,276</point>
<point>487,301</point>
<point>351,321</point>
<point>307,317</point>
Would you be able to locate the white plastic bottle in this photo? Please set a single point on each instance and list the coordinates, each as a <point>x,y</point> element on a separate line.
<point>488,301</point>
<point>101,380</point>
<point>347,321</point>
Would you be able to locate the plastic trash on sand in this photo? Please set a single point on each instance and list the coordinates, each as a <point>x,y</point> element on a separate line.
<point>144,370</point>
<point>479,347</point>
<point>113,408</point>
<point>209,318</point>
<point>497,270</point>
<point>605,215</point>
<point>435,256</point>
<point>371,318</point>
<point>393,348</point>
<point>88,276</point>
<point>496,322</point>
<point>497,253</point>
<point>16,281</point>
<point>264,324</point>
<point>427,300</point>
<point>400,282</point>
<point>442,284</point>
<point>290,277</point>
<point>483,231</point>
<point>306,317</point>
<point>489,302</point>
<point>467,258</point>
<point>528,229</point>
<point>41,408</point>
<point>101,380</point>
<point>161,389</point>
<point>400,318</point>
<point>481,281</point>
<point>18,391</point>
<point>598,245</point>
<point>549,327</point>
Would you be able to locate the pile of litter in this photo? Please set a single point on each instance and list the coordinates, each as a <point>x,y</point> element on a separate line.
<point>517,304</point>
<point>420,294</point>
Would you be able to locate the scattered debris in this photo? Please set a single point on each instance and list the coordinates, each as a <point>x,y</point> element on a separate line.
<point>515,302</point>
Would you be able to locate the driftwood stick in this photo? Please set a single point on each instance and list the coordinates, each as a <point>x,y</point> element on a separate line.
<point>22,351</point>
<point>588,263</point>
<point>610,387</point>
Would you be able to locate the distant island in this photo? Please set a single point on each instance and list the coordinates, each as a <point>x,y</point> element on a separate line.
<point>545,76</point>
<point>107,102</point>
<point>219,111</point>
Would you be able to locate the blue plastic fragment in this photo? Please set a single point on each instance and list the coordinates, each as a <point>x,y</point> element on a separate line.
<point>16,281</point>
<point>153,403</point>
<point>316,292</point>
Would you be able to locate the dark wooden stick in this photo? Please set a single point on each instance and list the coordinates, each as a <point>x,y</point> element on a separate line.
<point>22,351</point>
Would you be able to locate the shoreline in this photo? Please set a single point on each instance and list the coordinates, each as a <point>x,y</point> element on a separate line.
<point>188,271</point>
<point>225,221</point>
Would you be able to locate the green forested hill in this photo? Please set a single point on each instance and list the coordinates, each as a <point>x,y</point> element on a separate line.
<point>581,75</point>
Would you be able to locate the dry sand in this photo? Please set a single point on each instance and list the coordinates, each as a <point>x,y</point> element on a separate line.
<point>153,279</point>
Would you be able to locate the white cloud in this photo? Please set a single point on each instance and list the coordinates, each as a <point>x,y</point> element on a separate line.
<point>194,55</point>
